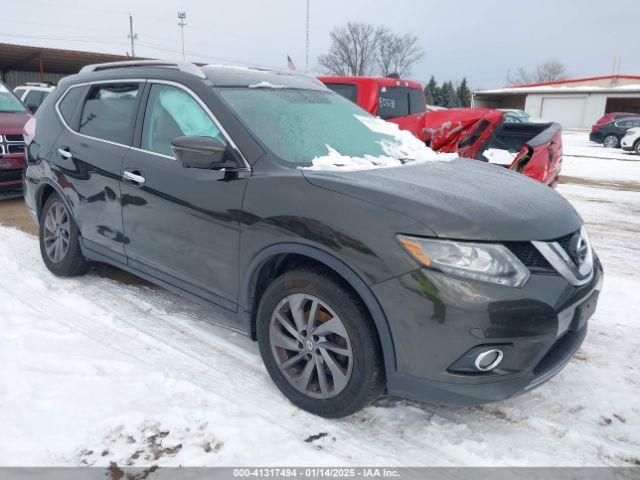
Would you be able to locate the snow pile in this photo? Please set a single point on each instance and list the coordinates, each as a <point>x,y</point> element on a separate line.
<point>402,148</point>
<point>266,85</point>
<point>498,156</point>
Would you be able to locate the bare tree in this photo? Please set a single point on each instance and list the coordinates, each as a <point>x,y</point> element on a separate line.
<point>353,50</point>
<point>549,71</point>
<point>397,53</point>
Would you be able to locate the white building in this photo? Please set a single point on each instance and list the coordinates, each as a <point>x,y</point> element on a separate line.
<point>574,103</point>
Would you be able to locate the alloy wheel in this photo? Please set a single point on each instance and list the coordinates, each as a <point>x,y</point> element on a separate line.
<point>311,346</point>
<point>610,141</point>
<point>57,228</point>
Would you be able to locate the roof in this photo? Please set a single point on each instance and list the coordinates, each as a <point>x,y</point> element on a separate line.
<point>239,76</point>
<point>27,58</point>
<point>602,84</point>
<point>579,80</point>
<point>381,81</point>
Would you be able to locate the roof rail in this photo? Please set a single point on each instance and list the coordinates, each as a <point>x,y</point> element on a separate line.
<point>183,67</point>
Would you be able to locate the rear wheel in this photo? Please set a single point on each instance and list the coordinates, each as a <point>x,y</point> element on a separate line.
<point>611,141</point>
<point>59,240</point>
<point>636,147</point>
<point>318,344</point>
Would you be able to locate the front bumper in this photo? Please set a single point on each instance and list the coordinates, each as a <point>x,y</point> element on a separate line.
<point>435,320</point>
<point>11,168</point>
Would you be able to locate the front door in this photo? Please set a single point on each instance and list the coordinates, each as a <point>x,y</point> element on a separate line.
<point>181,224</point>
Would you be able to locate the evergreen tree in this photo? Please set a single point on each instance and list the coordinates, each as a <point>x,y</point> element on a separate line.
<point>463,94</point>
<point>431,91</point>
<point>448,95</point>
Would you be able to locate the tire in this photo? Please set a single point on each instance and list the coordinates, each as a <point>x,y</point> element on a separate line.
<point>611,141</point>
<point>339,395</point>
<point>68,261</point>
<point>636,147</point>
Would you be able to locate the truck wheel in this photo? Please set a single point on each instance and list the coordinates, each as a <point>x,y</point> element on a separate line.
<point>611,141</point>
<point>319,344</point>
<point>59,240</point>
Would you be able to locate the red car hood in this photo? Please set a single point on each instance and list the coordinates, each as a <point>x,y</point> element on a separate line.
<point>12,123</point>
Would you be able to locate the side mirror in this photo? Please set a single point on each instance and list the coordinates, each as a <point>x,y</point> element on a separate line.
<point>202,152</point>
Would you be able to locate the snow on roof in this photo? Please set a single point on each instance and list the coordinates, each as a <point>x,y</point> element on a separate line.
<point>634,87</point>
<point>556,88</point>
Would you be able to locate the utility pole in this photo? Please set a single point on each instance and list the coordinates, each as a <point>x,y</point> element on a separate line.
<point>306,60</point>
<point>182,16</point>
<point>132,36</point>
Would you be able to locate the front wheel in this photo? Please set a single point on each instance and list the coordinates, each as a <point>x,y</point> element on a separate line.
<point>611,141</point>
<point>636,147</point>
<point>60,240</point>
<point>319,344</point>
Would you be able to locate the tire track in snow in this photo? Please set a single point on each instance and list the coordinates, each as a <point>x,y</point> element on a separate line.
<point>180,343</point>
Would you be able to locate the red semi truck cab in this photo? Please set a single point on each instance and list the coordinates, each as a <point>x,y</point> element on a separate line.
<point>534,149</point>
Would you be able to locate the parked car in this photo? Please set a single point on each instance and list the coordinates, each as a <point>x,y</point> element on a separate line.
<point>610,117</point>
<point>609,134</point>
<point>33,94</point>
<point>535,149</point>
<point>631,141</point>
<point>13,116</point>
<point>360,260</point>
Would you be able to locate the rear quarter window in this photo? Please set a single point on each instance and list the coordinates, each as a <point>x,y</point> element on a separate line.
<point>393,102</point>
<point>69,104</point>
<point>348,91</point>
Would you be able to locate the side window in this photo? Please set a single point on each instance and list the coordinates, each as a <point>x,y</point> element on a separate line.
<point>416,101</point>
<point>33,99</point>
<point>69,103</point>
<point>350,92</point>
<point>393,103</point>
<point>19,92</point>
<point>109,112</point>
<point>171,112</point>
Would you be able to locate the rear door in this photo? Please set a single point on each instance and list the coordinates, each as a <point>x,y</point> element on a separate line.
<point>89,155</point>
<point>181,224</point>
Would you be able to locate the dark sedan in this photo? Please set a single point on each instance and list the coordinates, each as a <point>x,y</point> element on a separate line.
<point>610,134</point>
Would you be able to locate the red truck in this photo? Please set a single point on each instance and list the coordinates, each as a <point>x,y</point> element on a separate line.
<point>534,149</point>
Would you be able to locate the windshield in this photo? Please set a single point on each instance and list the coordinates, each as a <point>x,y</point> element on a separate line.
<point>9,103</point>
<point>322,130</point>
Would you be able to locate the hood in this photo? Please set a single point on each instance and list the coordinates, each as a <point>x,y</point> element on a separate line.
<point>461,199</point>
<point>13,123</point>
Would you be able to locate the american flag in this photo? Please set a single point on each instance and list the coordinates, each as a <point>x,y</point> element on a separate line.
<point>290,64</point>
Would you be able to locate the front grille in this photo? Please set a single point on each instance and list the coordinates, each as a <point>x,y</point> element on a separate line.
<point>10,175</point>
<point>531,257</point>
<point>14,138</point>
<point>13,149</point>
<point>11,144</point>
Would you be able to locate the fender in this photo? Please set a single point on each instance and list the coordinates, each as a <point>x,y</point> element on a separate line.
<point>46,181</point>
<point>250,279</point>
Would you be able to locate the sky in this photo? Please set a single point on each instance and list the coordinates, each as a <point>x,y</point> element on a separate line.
<point>480,40</point>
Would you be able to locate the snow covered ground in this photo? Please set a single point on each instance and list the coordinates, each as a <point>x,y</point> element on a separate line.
<point>94,371</point>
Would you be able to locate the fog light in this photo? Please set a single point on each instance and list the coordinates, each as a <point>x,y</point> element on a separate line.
<point>488,360</point>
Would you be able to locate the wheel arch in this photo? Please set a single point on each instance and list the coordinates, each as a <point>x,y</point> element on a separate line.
<point>45,190</point>
<point>264,266</point>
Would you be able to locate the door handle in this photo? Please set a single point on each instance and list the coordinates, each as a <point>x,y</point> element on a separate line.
<point>64,152</point>
<point>134,177</point>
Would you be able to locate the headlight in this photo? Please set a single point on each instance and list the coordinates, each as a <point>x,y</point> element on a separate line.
<point>487,262</point>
